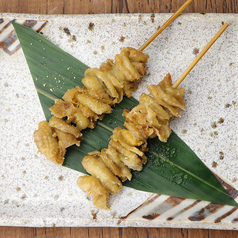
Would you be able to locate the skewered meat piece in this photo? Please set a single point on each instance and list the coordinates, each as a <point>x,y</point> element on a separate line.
<point>127,147</point>
<point>53,137</point>
<point>102,88</point>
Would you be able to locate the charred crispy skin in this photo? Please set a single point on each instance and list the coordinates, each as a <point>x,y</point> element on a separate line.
<point>127,146</point>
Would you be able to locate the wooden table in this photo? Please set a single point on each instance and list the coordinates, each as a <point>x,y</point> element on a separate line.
<point>114,6</point>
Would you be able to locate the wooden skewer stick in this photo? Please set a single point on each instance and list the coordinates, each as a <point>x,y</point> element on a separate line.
<point>207,47</point>
<point>172,18</point>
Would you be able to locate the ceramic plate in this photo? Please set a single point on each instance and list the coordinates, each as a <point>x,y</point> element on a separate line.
<point>36,192</point>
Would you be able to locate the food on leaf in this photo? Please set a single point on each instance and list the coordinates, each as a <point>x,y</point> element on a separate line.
<point>101,172</point>
<point>84,106</point>
<point>53,137</point>
<point>151,117</point>
<point>200,184</point>
<point>47,143</point>
<point>127,146</point>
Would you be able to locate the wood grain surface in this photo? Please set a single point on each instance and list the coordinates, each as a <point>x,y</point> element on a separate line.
<point>114,6</point>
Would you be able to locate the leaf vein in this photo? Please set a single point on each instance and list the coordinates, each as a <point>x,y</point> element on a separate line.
<point>186,171</point>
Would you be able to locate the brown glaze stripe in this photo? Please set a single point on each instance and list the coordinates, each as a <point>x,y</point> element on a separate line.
<point>12,36</point>
<point>13,51</point>
<point>183,210</point>
<point>205,212</point>
<point>8,41</point>
<point>149,200</point>
<point>231,190</point>
<point>235,220</point>
<point>163,207</point>
<point>5,27</point>
<point>42,26</point>
<point>151,216</point>
<point>226,215</point>
<point>30,23</point>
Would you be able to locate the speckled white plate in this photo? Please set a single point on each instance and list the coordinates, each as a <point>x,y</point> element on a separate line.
<point>36,192</point>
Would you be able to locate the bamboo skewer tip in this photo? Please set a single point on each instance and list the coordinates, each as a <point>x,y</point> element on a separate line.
<point>167,23</point>
<point>201,54</point>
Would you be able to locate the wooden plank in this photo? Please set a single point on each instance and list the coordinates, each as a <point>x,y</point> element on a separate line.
<point>50,232</point>
<point>170,232</point>
<point>197,233</point>
<point>104,232</point>
<point>223,234</point>
<point>115,6</point>
<point>145,6</point>
<point>153,233</point>
<point>96,232</point>
<point>87,7</point>
<point>17,232</point>
<point>135,232</point>
<point>77,232</point>
<point>55,7</point>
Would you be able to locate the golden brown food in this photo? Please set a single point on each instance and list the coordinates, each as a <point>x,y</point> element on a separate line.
<point>93,186</point>
<point>47,143</point>
<point>129,158</point>
<point>103,88</point>
<point>127,147</point>
<point>95,167</point>
<point>61,125</point>
<point>151,117</point>
<point>113,155</point>
<point>53,137</point>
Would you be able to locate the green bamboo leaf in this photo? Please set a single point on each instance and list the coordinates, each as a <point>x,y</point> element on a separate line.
<point>175,169</point>
<point>53,71</point>
<point>172,167</point>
